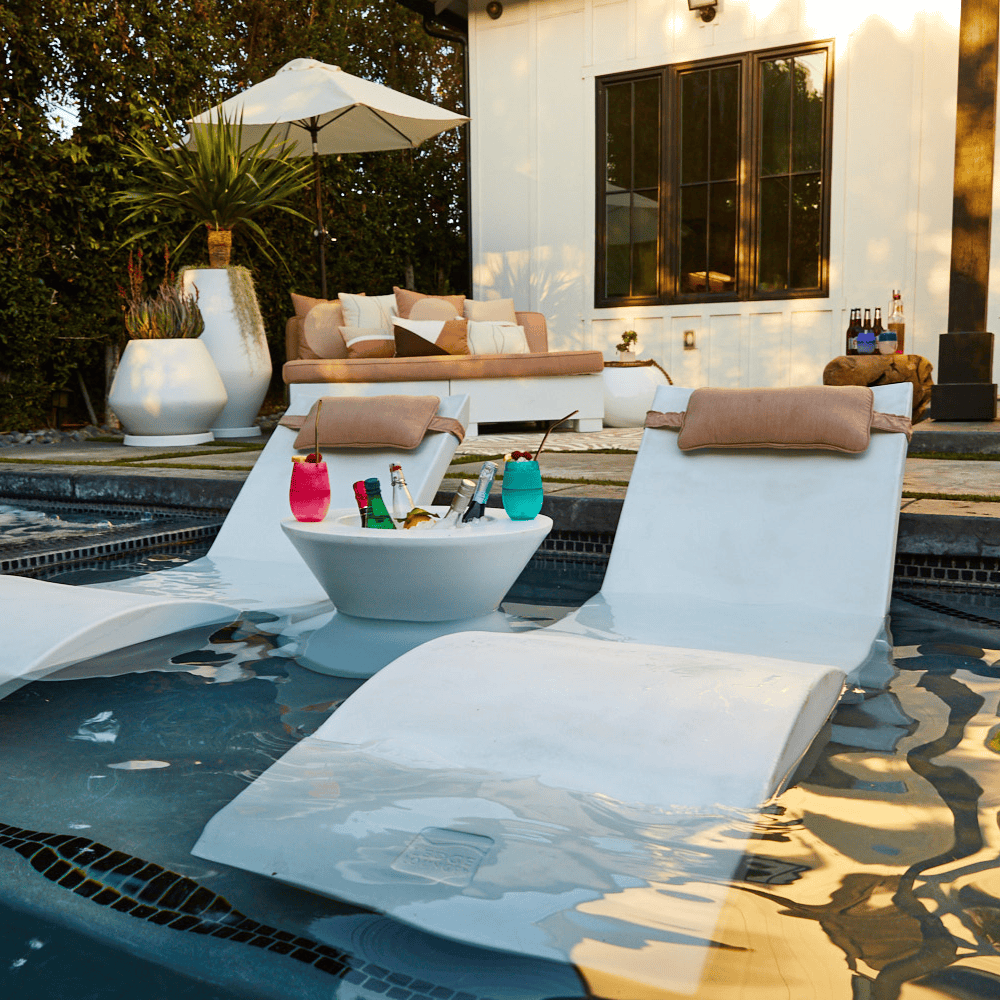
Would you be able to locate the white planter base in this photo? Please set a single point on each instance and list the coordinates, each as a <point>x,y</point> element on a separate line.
<point>166,440</point>
<point>236,432</point>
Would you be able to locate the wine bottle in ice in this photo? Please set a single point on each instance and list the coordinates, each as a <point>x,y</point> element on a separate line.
<point>378,516</point>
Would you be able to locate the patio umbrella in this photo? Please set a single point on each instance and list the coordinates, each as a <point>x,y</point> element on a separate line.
<point>313,109</point>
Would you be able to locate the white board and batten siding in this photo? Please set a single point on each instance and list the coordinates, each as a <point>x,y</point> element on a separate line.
<point>532,94</point>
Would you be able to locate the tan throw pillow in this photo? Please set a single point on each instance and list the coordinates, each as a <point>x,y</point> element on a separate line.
<point>321,330</point>
<point>425,338</point>
<point>302,304</point>
<point>370,312</point>
<point>492,311</point>
<point>434,309</point>
<point>496,338</point>
<point>367,343</point>
<point>406,300</point>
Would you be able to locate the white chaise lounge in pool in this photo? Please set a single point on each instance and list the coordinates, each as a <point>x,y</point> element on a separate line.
<point>250,566</point>
<point>585,792</point>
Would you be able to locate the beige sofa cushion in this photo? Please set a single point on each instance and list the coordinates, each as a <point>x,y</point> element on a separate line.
<point>441,368</point>
<point>491,311</point>
<point>496,338</point>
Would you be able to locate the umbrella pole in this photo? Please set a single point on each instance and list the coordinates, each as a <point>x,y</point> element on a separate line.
<point>320,230</point>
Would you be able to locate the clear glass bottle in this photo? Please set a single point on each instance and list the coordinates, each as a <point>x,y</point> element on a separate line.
<point>477,508</point>
<point>896,322</point>
<point>378,516</point>
<point>361,498</point>
<point>402,502</point>
<point>459,504</point>
<point>866,335</point>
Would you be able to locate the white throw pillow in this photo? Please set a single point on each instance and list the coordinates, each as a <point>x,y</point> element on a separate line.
<point>497,338</point>
<point>370,312</point>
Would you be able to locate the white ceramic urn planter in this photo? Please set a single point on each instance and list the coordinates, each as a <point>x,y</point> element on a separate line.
<point>167,392</point>
<point>234,336</point>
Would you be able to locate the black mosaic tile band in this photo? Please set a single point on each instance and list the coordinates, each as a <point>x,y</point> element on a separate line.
<point>964,573</point>
<point>150,892</point>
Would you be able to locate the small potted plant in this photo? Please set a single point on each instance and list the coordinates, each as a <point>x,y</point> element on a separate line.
<point>626,346</point>
<point>167,390</point>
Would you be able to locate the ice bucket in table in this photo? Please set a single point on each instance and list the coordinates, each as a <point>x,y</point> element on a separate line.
<point>394,590</point>
<point>440,574</point>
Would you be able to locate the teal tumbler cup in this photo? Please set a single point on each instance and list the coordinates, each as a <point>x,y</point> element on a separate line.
<point>522,490</point>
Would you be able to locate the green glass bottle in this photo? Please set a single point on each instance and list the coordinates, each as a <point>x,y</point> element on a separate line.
<point>378,516</point>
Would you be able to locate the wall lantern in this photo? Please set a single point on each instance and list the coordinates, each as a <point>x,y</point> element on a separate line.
<point>494,8</point>
<point>706,8</point>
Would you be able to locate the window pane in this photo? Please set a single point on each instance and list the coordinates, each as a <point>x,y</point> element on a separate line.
<point>694,135</point>
<point>647,134</point>
<point>807,111</point>
<point>619,132</point>
<point>645,242</point>
<point>618,247</point>
<point>772,265</point>
<point>807,203</point>
<point>775,109</point>
<point>725,123</point>
<point>694,236</point>
<point>722,238</point>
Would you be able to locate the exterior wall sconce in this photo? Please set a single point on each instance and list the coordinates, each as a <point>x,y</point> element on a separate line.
<point>705,8</point>
<point>494,9</point>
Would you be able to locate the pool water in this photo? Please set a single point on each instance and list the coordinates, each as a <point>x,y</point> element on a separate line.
<point>876,874</point>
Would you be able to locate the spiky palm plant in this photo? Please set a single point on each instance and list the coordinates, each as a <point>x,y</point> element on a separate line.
<point>217,183</point>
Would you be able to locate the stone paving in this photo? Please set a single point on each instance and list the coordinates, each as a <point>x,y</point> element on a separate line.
<point>570,465</point>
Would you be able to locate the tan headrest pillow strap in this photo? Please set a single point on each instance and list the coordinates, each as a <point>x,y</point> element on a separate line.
<point>833,418</point>
<point>372,422</point>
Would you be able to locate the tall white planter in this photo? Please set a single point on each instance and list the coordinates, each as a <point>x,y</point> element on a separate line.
<point>234,336</point>
<point>167,392</point>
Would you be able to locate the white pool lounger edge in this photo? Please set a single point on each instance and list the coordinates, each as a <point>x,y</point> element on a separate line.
<point>562,795</point>
<point>251,565</point>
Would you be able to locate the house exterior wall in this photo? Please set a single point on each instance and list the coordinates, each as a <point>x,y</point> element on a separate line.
<point>532,92</point>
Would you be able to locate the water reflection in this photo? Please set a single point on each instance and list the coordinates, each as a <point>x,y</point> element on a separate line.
<point>874,875</point>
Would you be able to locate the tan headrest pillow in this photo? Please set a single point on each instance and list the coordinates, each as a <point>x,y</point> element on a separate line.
<point>371,422</point>
<point>828,418</point>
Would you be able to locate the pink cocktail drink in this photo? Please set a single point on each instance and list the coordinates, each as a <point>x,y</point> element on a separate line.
<point>309,493</point>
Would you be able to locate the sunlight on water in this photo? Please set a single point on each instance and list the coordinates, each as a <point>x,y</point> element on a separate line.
<point>875,874</point>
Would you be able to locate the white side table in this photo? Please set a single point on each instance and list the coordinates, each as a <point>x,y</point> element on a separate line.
<point>629,387</point>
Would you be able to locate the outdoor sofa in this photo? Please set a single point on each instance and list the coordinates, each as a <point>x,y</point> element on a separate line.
<point>535,384</point>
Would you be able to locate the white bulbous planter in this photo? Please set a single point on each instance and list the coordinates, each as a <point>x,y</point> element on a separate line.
<point>628,392</point>
<point>234,336</point>
<point>167,392</point>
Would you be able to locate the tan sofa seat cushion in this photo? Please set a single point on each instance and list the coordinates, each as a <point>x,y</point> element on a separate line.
<point>440,368</point>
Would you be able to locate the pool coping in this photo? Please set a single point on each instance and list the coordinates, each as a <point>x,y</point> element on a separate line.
<point>919,532</point>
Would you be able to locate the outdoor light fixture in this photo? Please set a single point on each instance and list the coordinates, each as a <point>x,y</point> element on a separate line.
<point>706,8</point>
<point>494,8</point>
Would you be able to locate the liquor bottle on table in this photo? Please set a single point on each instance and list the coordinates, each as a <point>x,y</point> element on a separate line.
<point>866,335</point>
<point>852,332</point>
<point>896,321</point>
<point>885,340</point>
<point>477,508</point>
<point>459,504</point>
<point>378,516</point>
<point>402,502</point>
<point>361,498</point>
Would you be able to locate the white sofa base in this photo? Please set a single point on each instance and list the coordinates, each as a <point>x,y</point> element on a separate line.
<point>494,400</point>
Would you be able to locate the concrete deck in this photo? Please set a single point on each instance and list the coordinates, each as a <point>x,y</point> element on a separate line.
<point>961,481</point>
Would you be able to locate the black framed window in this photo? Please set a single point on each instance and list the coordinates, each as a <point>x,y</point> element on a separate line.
<point>713,179</point>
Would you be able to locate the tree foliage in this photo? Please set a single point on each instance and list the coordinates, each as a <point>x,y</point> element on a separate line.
<point>101,65</point>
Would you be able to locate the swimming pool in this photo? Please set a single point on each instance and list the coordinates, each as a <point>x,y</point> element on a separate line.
<point>875,874</point>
